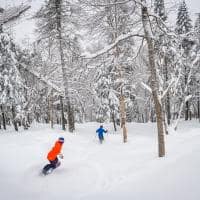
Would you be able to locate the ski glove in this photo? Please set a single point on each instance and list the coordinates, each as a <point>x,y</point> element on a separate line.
<point>61,156</point>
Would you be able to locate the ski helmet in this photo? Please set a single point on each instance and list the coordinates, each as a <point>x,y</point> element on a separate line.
<point>61,139</point>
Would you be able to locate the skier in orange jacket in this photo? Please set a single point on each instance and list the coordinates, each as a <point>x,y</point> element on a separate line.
<point>55,151</point>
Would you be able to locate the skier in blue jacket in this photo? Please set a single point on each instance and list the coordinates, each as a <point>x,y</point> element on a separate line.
<point>100,132</point>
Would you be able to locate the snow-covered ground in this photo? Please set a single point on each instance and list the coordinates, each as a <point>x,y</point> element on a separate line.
<point>111,171</point>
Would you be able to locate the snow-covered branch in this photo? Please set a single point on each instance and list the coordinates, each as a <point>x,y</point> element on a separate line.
<point>13,13</point>
<point>111,4</point>
<point>167,89</point>
<point>111,46</point>
<point>42,79</point>
<point>146,87</point>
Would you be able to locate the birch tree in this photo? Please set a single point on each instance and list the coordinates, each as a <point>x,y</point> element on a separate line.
<point>153,78</point>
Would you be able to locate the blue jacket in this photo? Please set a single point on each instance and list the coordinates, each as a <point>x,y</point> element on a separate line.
<point>100,131</point>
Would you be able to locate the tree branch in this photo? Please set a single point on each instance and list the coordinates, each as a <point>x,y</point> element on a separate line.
<point>111,46</point>
<point>13,13</point>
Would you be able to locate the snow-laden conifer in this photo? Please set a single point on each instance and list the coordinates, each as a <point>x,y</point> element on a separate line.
<point>183,21</point>
<point>11,84</point>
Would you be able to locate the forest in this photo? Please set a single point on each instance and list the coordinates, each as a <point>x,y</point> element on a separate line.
<point>116,61</point>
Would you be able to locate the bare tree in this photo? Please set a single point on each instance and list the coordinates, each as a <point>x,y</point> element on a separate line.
<point>153,79</point>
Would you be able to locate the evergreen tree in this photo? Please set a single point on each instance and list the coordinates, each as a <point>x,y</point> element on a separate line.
<point>197,63</point>
<point>11,84</point>
<point>56,26</point>
<point>197,27</point>
<point>183,21</point>
<point>108,106</point>
<point>159,9</point>
<point>184,28</point>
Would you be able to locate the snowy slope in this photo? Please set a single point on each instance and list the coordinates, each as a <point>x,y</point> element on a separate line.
<point>91,171</point>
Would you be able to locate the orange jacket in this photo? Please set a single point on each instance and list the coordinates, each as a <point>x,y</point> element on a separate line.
<point>54,151</point>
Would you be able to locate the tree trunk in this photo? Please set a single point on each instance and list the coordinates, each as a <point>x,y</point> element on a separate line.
<point>113,119</point>
<point>198,108</point>
<point>168,109</point>
<point>62,113</point>
<point>167,101</point>
<point>121,98</point>
<point>51,109</point>
<point>186,110</point>
<point>3,118</point>
<point>187,102</point>
<point>165,123</point>
<point>154,82</point>
<point>123,118</point>
<point>167,114</point>
<point>70,118</point>
<point>179,115</point>
<point>71,125</point>
<point>152,115</point>
<point>14,120</point>
<point>28,118</point>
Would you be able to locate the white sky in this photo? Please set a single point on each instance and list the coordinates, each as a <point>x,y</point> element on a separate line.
<point>193,5</point>
<point>25,28</point>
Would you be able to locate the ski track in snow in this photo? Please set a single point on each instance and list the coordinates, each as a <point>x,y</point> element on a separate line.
<point>89,169</point>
